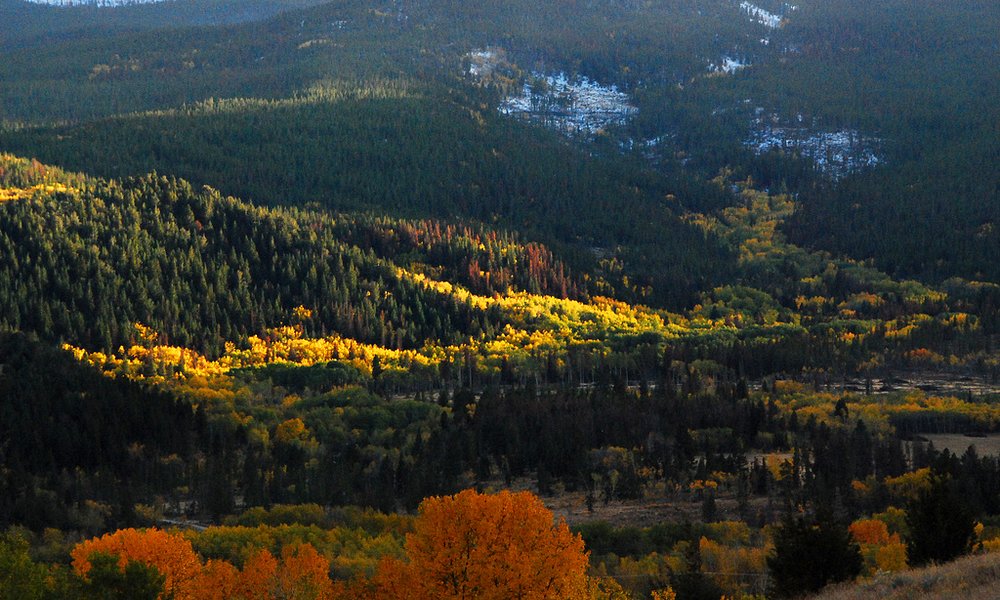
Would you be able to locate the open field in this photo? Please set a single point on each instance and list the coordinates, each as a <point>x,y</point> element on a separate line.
<point>655,507</point>
<point>957,443</point>
<point>940,383</point>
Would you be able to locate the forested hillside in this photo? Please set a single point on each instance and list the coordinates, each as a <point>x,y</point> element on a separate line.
<point>85,263</point>
<point>395,148</point>
<point>33,24</point>
<point>921,98</point>
<point>919,80</point>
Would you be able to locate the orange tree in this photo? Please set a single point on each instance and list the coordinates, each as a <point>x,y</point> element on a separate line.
<point>502,546</point>
<point>171,555</point>
<point>301,574</point>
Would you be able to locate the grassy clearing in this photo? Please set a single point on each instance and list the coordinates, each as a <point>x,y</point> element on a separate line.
<point>957,443</point>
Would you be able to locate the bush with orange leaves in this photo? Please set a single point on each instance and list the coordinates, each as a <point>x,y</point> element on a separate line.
<point>301,574</point>
<point>881,550</point>
<point>870,531</point>
<point>486,546</point>
<point>172,556</point>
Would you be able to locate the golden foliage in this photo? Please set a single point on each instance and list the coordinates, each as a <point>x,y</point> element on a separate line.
<point>891,557</point>
<point>15,193</point>
<point>909,486</point>
<point>292,430</point>
<point>894,518</point>
<point>730,562</point>
<point>606,588</point>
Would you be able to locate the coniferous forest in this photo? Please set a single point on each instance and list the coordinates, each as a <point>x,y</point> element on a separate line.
<point>596,299</point>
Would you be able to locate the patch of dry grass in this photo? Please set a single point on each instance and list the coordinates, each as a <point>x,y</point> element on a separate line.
<point>969,578</point>
<point>987,445</point>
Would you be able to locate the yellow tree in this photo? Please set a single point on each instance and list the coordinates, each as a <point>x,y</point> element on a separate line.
<point>503,546</point>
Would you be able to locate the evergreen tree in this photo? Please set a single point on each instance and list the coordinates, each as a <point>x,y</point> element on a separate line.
<point>108,581</point>
<point>808,556</point>
<point>941,525</point>
<point>692,584</point>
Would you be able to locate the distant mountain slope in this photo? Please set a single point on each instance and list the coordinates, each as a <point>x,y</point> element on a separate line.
<point>627,44</point>
<point>931,90</point>
<point>915,80</point>
<point>405,150</point>
<point>34,23</point>
<point>101,3</point>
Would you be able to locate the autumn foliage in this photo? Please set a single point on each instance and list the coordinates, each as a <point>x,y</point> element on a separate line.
<point>497,546</point>
<point>300,574</point>
<point>881,550</point>
<point>172,556</point>
<point>469,545</point>
<point>870,531</point>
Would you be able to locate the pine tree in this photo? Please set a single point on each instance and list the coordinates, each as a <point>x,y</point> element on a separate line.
<point>942,526</point>
<point>807,556</point>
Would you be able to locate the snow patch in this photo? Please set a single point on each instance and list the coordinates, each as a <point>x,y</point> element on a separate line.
<point>767,18</point>
<point>728,65</point>
<point>758,14</point>
<point>571,105</point>
<point>835,153</point>
<point>482,62</point>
